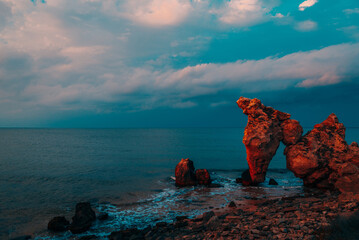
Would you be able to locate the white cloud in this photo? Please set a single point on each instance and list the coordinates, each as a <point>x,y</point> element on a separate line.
<point>279,15</point>
<point>306,26</point>
<point>157,13</point>
<point>145,88</point>
<point>307,4</point>
<point>351,11</point>
<point>243,12</point>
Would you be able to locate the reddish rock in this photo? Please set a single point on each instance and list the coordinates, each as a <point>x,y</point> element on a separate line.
<point>292,131</point>
<point>203,177</point>
<point>184,172</point>
<point>322,158</point>
<point>262,135</point>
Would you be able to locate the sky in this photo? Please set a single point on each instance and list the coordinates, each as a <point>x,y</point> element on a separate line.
<point>176,63</point>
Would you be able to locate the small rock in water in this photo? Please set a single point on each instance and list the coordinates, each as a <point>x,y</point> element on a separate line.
<point>102,216</point>
<point>238,180</point>
<point>232,205</point>
<point>84,216</point>
<point>58,224</point>
<point>272,182</point>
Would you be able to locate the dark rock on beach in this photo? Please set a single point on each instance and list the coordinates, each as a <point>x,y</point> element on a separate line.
<point>58,224</point>
<point>25,237</point>
<point>232,204</point>
<point>83,219</point>
<point>133,234</point>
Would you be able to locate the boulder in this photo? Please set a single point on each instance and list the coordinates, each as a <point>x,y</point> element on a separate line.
<point>185,174</point>
<point>203,177</point>
<point>58,224</point>
<point>83,219</point>
<point>207,215</point>
<point>272,182</point>
<point>262,135</point>
<point>292,131</point>
<point>323,159</point>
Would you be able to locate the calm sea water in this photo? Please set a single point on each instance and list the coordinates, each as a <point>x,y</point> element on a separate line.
<point>126,172</point>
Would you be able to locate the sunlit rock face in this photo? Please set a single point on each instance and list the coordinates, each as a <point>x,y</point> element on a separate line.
<point>185,174</point>
<point>292,131</point>
<point>322,157</point>
<point>262,135</point>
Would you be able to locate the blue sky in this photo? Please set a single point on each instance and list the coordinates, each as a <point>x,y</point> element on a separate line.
<point>175,63</point>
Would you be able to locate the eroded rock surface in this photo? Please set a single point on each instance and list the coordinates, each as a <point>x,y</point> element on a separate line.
<point>185,174</point>
<point>292,131</point>
<point>263,134</point>
<point>322,157</point>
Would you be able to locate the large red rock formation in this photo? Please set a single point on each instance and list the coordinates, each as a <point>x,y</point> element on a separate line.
<point>263,133</point>
<point>184,172</point>
<point>322,158</point>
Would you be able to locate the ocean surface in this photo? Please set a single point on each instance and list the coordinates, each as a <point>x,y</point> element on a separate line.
<point>124,172</point>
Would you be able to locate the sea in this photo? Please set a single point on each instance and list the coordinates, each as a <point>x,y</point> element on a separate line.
<point>126,173</point>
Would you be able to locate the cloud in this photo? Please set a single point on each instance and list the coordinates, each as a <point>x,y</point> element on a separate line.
<point>306,26</point>
<point>351,11</point>
<point>327,79</point>
<point>157,13</point>
<point>243,12</point>
<point>307,4</point>
<point>141,88</point>
<point>89,55</point>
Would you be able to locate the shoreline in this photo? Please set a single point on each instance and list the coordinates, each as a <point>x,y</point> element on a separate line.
<point>303,215</point>
<point>307,216</point>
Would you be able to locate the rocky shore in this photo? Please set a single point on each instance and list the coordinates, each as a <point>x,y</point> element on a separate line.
<point>327,209</point>
<point>312,215</point>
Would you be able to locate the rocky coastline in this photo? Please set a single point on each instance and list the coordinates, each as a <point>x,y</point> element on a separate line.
<point>313,215</point>
<point>327,209</point>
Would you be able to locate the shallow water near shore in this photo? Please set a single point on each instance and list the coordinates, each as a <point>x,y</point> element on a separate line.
<point>125,172</point>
